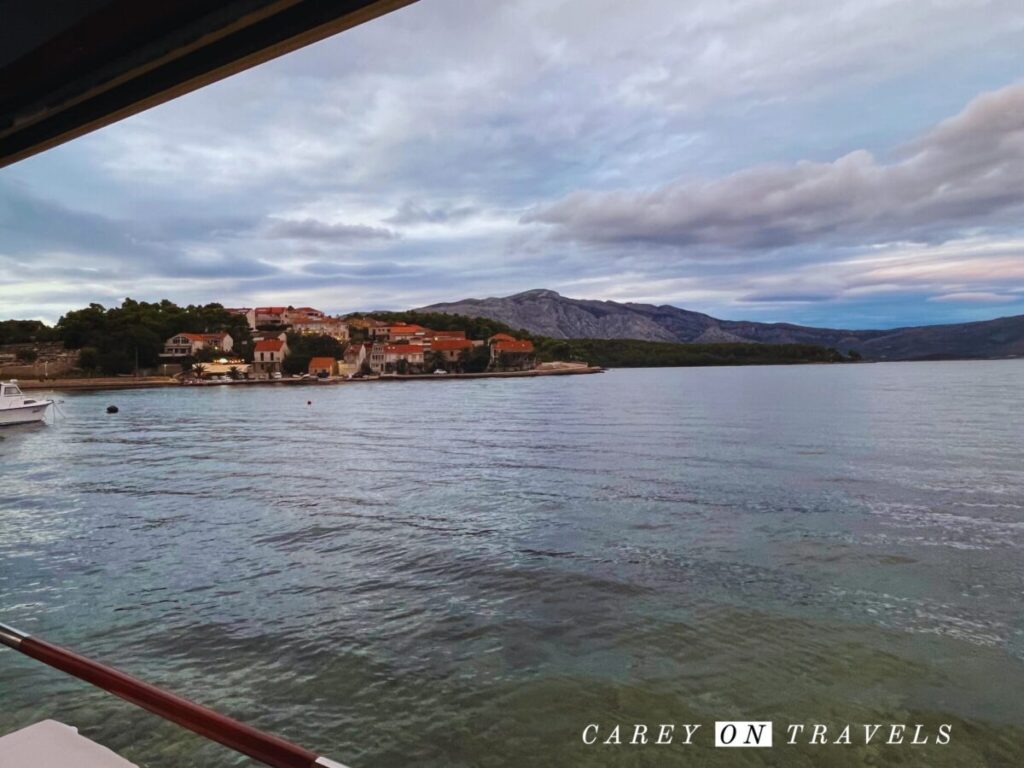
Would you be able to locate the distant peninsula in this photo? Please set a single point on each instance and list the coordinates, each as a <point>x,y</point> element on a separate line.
<point>549,314</point>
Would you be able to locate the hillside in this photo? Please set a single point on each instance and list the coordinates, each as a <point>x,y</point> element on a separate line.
<point>548,313</point>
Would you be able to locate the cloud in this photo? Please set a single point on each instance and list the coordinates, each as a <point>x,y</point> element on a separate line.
<point>967,172</point>
<point>786,298</point>
<point>977,296</point>
<point>412,213</point>
<point>311,229</point>
<point>730,157</point>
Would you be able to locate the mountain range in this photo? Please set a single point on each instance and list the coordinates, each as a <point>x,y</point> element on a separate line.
<point>547,313</point>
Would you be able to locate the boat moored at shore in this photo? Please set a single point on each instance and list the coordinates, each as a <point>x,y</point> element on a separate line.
<point>16,408</point>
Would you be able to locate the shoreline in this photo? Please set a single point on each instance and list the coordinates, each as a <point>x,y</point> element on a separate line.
<point>100,384</point>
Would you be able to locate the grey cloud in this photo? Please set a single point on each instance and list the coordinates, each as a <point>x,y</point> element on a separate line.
<point>311,229</point>
<point>411,213</point>
<point>966,172</point>
<point>360,270</point>
<point>785,297</point>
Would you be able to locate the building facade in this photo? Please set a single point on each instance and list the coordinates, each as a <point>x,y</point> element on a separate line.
<point>268,355</point>
<point>184,345</point>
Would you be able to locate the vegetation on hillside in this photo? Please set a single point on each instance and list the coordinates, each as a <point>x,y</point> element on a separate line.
<point>622,353</point>
<point>25,332</point>
<point>630,353</point>
<point>110,338</point>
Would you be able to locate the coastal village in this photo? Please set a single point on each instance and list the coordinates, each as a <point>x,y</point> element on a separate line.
<point>369,347</point>
<point>289,344</point>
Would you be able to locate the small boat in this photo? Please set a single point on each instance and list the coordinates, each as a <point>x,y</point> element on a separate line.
<point>15,408</point>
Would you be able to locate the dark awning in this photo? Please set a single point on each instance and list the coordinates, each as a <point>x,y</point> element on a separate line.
<point>68,67</point>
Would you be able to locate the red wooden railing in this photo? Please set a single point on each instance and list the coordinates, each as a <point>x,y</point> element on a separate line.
<point>240,737</point>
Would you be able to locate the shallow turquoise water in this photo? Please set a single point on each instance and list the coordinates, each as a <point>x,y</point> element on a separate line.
<point>467,573</point>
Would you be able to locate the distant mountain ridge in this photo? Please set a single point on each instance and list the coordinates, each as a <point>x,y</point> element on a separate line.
<point>548,313</point>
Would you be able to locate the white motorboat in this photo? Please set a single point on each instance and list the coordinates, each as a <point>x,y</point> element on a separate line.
<point>15,408</point>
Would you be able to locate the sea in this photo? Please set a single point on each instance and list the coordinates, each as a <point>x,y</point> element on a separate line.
<point>470,573</point>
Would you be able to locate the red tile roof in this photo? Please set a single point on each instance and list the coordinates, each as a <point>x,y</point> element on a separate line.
<point>318,363</point>
<point>203,336</point>
<point>268,345</point>
<point>501,337</point>
<point>406,329</point>
<point>513,346</point>
<point>448,334</point>
<point>450,345</point>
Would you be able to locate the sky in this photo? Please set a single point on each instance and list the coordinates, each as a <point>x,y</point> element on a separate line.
<point>855,164</point>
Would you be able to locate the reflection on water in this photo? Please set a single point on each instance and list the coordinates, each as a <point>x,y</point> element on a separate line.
<point>467,573</point>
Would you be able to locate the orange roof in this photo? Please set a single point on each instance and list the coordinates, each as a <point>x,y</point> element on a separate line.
<point>450,345</point>
<point>448,334</point>
<point>270,310</point>
<point>501,337</point>
<point>203,336</point>
<point>321,362</point>
<point>406,329</point>
<point>513,346</point>
<point>268,345</point>
<point>403,349</point>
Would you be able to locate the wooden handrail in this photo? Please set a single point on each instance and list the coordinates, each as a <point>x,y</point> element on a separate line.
<point>240,737</point>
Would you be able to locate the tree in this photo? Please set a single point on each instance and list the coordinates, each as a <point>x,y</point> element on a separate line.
<point>88,359</point>
<point>198,369</point>
<point>437,361</point>
<point>234,373</point>
<point>475,360</point>
<point>141,328</point>
<point>24,332</point>
<point>26,355</point>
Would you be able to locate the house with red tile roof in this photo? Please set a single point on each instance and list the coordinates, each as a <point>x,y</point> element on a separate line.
<point>403,358</point>
<point>513,354</point>
<point>401,333</point>
<point>323,366</point>
<point>272,316</point>
<point>451,350</point>
<point>267,356</point>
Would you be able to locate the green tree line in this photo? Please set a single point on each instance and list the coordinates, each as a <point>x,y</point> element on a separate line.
<point>112,339</point>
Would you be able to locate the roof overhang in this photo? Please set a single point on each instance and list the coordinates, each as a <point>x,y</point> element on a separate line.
<point>68,67</point>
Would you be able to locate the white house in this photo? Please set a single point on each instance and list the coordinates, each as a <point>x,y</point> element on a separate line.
<point>409,354</point>
<point>267,356</point>
<point>188,344</point>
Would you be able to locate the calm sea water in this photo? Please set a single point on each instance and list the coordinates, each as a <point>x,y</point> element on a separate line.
<point>467,573</point>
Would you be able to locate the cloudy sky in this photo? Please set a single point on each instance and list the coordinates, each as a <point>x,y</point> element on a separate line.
<point>834,163</point>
